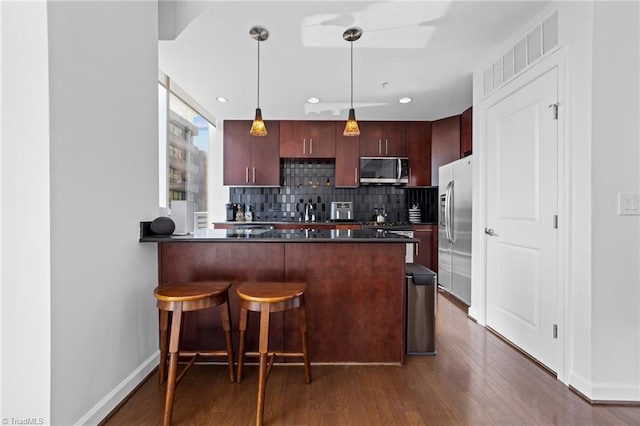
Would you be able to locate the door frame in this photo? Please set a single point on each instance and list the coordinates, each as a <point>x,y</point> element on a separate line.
<point>478,308</point>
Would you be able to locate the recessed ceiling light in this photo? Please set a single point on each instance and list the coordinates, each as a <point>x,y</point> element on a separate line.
<point>404,100</point>
<point>313,100</point>
<point>222,99</point>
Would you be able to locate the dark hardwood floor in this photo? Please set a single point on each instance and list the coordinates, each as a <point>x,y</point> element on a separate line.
<point>476,379</point>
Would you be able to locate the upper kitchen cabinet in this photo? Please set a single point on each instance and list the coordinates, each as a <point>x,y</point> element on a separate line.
<point>251,160</point>
<point>466,130</point>
<point>347,159</point>
<point>445,144</point>
<point>307,139</point>
<point>419,153</point>
<point>383,138</point>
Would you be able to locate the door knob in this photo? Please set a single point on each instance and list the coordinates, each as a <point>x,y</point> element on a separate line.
<point>489,231</point>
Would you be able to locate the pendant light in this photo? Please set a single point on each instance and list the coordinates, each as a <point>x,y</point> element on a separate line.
<point>351,128</point>
<point>258,128</point>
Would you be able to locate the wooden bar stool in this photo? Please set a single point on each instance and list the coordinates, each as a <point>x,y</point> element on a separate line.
<point>268,297</point>
<point>177,299</point>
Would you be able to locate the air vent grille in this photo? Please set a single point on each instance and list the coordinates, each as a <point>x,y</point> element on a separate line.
<point>538,42</point>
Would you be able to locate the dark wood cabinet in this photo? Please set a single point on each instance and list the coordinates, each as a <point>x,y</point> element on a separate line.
<point>307,139</point>
<point>466,131</point>
<point>419,153</point>
<point>383,138</point>
<point>249,160</point>
<point>445,144</point>
<point>426,252</point>
<point>347,159</point>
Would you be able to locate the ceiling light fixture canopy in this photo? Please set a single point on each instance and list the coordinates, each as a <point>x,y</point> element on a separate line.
<point>351,128</point>
<point>258,128</point>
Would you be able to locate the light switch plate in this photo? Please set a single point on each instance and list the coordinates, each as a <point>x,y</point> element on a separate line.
<point>629,203</point>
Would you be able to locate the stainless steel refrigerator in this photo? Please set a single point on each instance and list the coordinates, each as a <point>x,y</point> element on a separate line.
<point>454,228</point>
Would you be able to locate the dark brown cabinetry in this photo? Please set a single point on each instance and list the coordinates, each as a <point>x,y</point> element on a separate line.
<point>383,139</point>
<point>426,252</point>
<point>445,144</point>
<point>347,159</point>
<point>250,160</point>
<point>419,153</point>
<point>307,139</point>
<point>466,130</point>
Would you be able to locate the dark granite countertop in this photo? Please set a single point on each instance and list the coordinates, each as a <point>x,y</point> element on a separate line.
<point>257,234</point>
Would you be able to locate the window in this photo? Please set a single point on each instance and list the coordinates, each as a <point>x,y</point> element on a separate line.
<point>184,150</point>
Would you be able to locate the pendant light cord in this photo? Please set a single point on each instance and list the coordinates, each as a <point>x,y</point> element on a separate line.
<point>351,74</point>
<point>258,101</point>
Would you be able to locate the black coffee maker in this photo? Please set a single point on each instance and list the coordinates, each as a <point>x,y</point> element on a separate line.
<point>231,209</point>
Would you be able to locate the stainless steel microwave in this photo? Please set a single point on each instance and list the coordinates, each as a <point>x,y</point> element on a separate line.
<point>389,170</point>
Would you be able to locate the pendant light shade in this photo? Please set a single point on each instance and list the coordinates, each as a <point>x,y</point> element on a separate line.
<point>351,128</point>
<point>258,128</point>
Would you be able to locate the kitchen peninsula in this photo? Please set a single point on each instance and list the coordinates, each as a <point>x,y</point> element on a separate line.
<point>355,296</point>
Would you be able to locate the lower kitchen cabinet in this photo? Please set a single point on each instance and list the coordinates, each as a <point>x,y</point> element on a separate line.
<point>426,252</point>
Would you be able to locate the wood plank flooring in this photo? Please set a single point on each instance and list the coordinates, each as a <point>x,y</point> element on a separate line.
<point>476,379</point>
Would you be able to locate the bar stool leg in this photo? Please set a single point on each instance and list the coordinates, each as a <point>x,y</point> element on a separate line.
<point>164,345</point>
<point>226,326</point>
<point>264,354</point>
<point>302,315</point>
<point>242,326</point>
<point>174,340</point>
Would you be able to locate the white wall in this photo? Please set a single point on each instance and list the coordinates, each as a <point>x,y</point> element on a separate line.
<point>615,168</point>
<point>24,213</point>
<point>104,180</point>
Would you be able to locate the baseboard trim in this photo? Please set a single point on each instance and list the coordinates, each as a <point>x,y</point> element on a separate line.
<point>120,393</point>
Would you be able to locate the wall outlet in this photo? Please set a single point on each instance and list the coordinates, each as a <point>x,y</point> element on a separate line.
<point>629,203</point>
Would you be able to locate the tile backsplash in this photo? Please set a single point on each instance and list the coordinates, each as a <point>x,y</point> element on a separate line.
<point>311,181</point>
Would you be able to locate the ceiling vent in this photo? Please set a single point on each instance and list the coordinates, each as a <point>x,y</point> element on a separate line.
<point>540,41</point>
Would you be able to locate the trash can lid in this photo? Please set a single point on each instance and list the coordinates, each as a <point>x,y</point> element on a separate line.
<point>421,275</point>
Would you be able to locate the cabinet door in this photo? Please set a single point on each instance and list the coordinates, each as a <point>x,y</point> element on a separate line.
<point>236,152</point>
<point>370,138</point>
<point>347,159</point>
<point>265,157</point>
<point>445,144</point>
<point>424,250</point>
<point>419,153</point>
<point>307,139</point>
<point>394,139</point>
<point>383,139</point>
<point>293,142</point>
<point>321,139</point>
<point>466,140</point>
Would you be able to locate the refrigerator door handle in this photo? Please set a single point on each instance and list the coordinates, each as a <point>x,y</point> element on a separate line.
<point>449,212</point>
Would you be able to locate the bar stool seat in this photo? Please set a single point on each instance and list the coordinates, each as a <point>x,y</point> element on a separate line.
<point>186,297</point>
<point>268,297</point>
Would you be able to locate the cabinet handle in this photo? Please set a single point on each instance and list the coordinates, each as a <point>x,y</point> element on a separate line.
<point>417,245</point>
<point>310,146</point>
<point>379,146</point>
<point>355,176</point>
<point>254,175</point>
<point>246,174</point>
<point>386,147</point>
<point>304,146</point>
<point>409,173</point>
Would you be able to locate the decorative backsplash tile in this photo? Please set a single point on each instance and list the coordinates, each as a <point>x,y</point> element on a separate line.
<point>311,181</point>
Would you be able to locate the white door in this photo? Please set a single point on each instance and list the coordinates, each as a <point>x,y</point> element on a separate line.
<point>522,178</point>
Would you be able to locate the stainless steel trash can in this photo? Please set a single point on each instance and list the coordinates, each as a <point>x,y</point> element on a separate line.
<point>421,309</point>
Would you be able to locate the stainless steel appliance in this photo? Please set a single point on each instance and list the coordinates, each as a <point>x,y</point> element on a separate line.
<point>391,170</point>
<point>454,229</point>
<point>421,310</point>
<point>342,210</point>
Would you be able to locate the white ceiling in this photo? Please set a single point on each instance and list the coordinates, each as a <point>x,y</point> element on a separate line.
<point>426,50</point>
